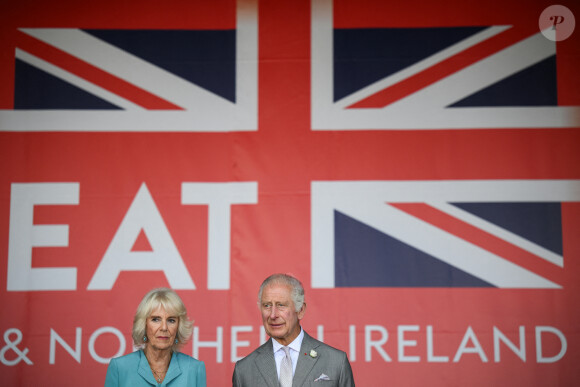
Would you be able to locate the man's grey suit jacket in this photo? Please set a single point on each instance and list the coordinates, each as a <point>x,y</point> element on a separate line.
<point>259,367</point>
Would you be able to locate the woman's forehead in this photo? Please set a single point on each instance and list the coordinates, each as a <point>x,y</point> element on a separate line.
<point>161,310</point>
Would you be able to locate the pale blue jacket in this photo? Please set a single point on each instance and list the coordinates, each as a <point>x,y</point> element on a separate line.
<point>133,370</point>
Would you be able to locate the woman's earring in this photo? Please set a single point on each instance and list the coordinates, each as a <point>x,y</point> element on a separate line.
<point>144,339</point>
<point>176,341</point>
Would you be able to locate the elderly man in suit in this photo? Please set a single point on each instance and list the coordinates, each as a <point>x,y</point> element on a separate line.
<point>291,358</point>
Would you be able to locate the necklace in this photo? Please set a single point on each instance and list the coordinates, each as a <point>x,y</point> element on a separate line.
<point>158,374</point>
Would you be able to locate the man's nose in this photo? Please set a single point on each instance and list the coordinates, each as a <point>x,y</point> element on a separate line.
<point>273,312</point>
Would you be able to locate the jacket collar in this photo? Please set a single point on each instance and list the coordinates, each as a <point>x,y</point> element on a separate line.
<point>305,361</point>
<point>266,364</point>
<point>146,373</point>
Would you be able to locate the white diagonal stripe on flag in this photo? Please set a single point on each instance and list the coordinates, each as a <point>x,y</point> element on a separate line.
<point>76,81</point>
<point>420,66</point>
<point>480,74</point>
<point>129,67</point>
<point>366,201</point>
<point>417,111</point>
<point>500,232</point>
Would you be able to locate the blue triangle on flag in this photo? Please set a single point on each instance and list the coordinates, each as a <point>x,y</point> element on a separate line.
<point>365,55</point>
<point>206,58</point>
<point>540,223</point>
<point>366,257</point>
<point>37,89</point>
<point>534,86</point>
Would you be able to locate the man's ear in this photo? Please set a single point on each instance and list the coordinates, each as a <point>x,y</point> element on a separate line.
<point>302,311</point>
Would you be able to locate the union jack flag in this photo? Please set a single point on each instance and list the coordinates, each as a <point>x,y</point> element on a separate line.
<point>71,79</point>
<point>447,77</point>
<point>505,234</point>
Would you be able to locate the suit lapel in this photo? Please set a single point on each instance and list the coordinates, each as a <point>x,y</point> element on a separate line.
<point>145,370</point>
<point>266,364</point>
<point>174,369</point>
<point>305,362</point>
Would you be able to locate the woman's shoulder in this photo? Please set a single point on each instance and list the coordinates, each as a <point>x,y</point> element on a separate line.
<point>132,357</point>
<point>182,358</point>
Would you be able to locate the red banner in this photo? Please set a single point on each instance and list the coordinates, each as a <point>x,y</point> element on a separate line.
<point>415,164</point>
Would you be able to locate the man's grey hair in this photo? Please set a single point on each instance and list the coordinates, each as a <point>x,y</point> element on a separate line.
<point>297,290</point>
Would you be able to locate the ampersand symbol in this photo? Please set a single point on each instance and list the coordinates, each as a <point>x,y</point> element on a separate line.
<point>12,345</point>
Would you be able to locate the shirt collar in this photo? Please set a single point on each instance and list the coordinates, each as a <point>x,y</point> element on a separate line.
<point>295,345</point>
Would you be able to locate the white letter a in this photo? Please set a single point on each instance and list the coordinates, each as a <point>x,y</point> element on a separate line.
<point>142,215</point>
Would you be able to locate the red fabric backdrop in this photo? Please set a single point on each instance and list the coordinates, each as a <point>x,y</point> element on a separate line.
<point>125,197</point>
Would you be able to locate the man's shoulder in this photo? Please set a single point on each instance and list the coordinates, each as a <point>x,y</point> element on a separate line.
<point>310,344</point>
<point>331,361</point>
<point>267,346</point>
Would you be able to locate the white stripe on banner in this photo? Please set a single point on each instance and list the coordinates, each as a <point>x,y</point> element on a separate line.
<point>367,201</point>
<point>76,81</point>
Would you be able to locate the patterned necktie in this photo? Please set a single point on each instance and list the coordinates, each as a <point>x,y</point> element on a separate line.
<point>286,369</point>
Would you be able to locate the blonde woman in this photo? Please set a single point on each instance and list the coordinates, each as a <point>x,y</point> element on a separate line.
<point>160,327</point>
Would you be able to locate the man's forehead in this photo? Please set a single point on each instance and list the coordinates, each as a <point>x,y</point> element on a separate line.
<point>276,290</point>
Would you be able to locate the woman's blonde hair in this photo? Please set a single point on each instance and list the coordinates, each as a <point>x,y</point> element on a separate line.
<point>173,305</point>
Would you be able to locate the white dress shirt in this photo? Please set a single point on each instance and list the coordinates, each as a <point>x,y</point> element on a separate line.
<point>294,352</point>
